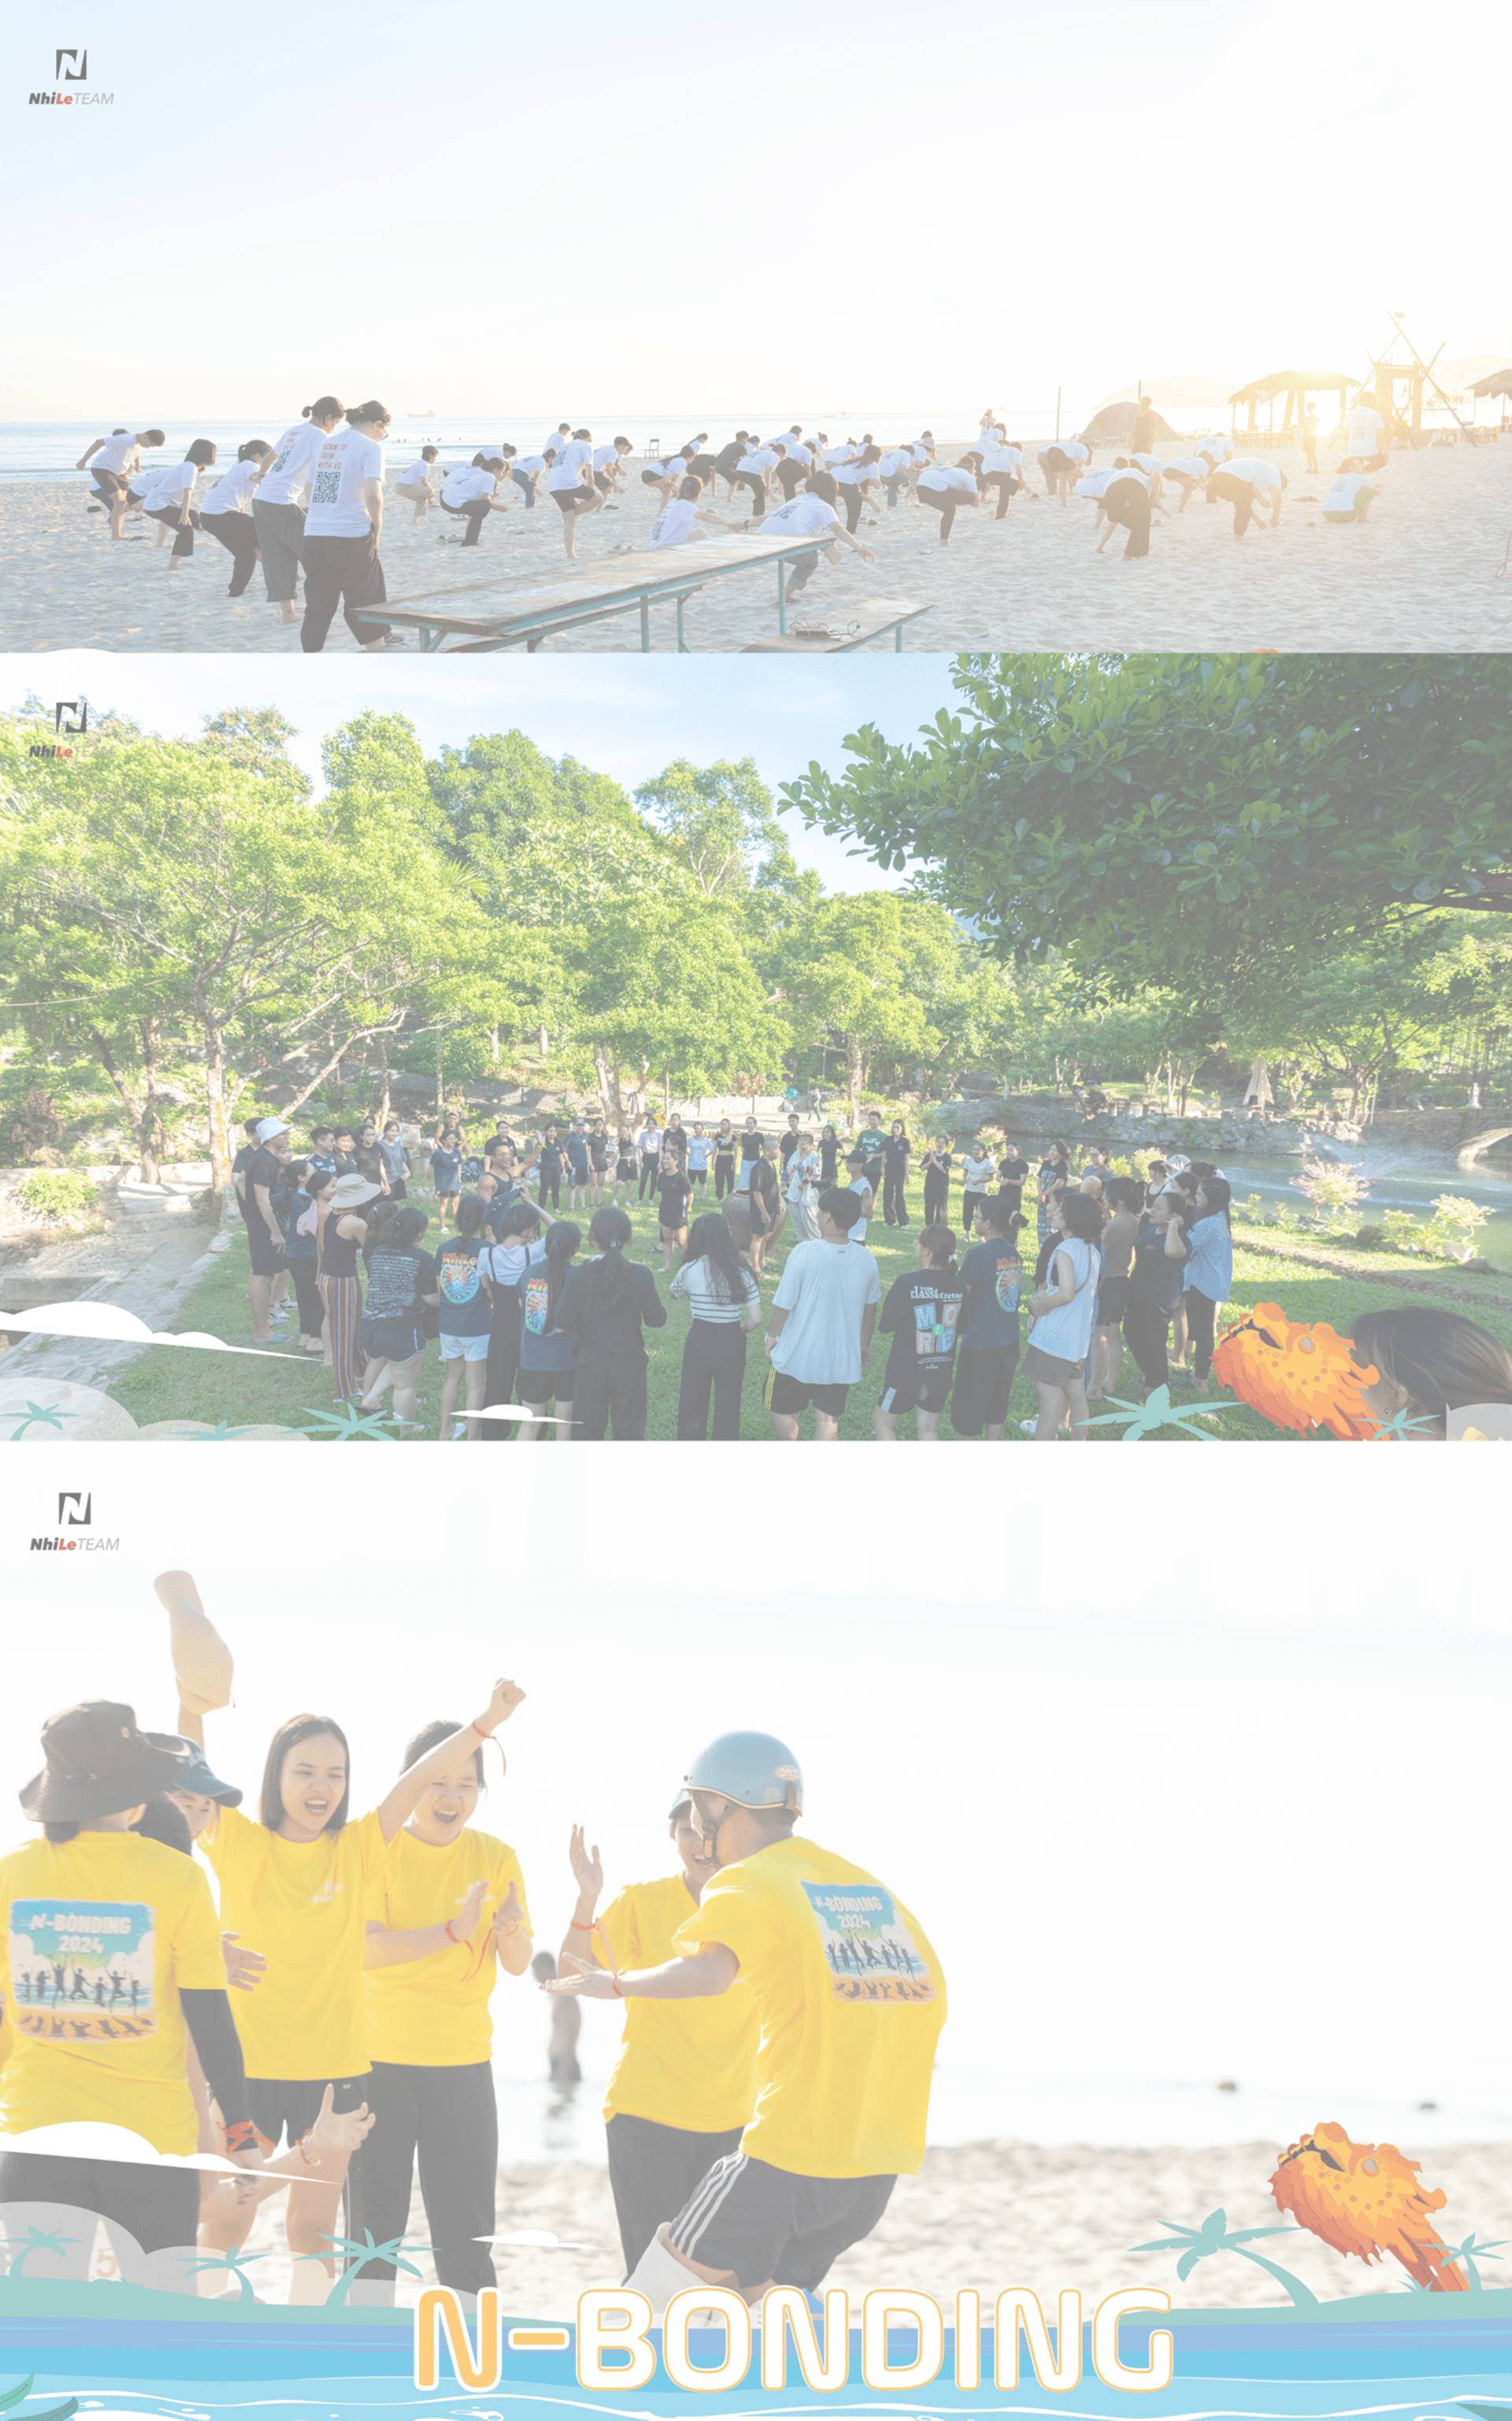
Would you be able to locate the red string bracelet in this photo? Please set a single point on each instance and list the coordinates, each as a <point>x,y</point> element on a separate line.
<point>575,1927</point>
<point>452,1937</point>
<point>241,2135</point>
<point>303,2154</point>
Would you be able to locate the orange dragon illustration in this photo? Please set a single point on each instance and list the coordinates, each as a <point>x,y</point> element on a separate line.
<point>1301,1375</point>
<point>1365,2198</point>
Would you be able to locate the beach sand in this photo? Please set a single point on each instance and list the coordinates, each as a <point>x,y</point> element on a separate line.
<point>990,2216</point>
<point>1420,574</point>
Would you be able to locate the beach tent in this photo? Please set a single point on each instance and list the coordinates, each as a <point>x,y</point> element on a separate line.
<point>1257,1093</point>
<point>1116,423</point>
<point>1499,383</point>
<point>1296,385</point>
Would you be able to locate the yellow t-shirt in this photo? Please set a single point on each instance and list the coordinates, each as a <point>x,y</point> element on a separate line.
<point>683,2063</point>
<point>434,2012</point>
<point>302,1904</point>
<point>100,1934</point>
<point>850,1999</point>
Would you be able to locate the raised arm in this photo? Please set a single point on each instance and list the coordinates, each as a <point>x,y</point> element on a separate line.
<point>587,1870</point>
<point>400,1803</point>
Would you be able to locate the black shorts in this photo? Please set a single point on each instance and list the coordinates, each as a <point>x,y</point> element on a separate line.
<point>278,2105</point>
<point>925,1391</point>
<point>785,1395</point>
<point>653,478</point>
<point>576,1176</point>
<point>390,1340</point>
<point>1113,1301</point>
<point>1051,1369</point>
<point>984,1382</point>
<point>570,498</point>
<point>763,2222</point>
<point>266,1260</point>
<point>624,1167</point>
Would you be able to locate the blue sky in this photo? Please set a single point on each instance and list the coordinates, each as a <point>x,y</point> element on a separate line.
<point>582,212</point>
<point>627,717</point>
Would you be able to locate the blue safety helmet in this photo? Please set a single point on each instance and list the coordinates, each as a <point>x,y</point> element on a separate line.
<point>754,1769</point>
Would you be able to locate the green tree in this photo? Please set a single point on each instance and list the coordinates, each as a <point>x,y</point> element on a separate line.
<point>1156,814</point>
<point>869,974</point>
<point>718,818</point>
<point>669,994</point>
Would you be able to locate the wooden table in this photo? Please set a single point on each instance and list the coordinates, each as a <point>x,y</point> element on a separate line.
<point>491,613</point>
<point>879,614</point>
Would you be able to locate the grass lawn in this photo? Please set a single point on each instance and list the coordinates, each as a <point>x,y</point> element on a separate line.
<point>164,1385</point>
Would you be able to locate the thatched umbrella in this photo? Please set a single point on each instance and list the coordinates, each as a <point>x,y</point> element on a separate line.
<point>1296,385</point>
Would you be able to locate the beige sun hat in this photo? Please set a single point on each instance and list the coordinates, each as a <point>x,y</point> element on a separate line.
<point>201,1658</point>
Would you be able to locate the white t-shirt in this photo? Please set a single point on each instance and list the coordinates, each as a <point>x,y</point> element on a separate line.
<point>841,454</point>
<point>674,521</point>
<point>1000,458</point>
<point>824,1288</point>
<point>1075,451</point>
<point>530,464</point>
<point>1343,495</point>
<point>977,1174</point>
<point>570,467</point>
<point>1093,483</point>
<point>804,517</point>
<point>939,476</point>
<point>1362,430</point>
<point>660,470</point>
<point>556,444</point>
<point>1192,467</point>
<point>342,464</point>
<point>288,474</point>
<point>603,457</point>
<point>757,457</point>
<point>920,452</point>
<point>1218,450</point>
<point>1258,474</point>
<point>466,484</point>
<point>896,459</point>
<point>167,487</point>
<point>119,454</point>
<point>232,492</point>
<point>416,474</point>
<point>1150,462</point>
<point>852,475</point>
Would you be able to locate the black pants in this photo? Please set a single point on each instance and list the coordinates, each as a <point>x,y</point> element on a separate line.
<point>945,501</point>
<point>790,478</point>
<point>168,515</point>
<point>1127,502</point>
<point>551,1182</point>
<point>475,515</point>
<point>158,2207</point>
<point>1202,1314</point>
<point>340,571</point>
<point>898,479</point>
<point>937,1199</point>
<point>850,494</point>
<point>448,2117</point>
<point>713,1357</point>
<point>237,534</point>
<point>1146,1329</point>
<point>652,2172</point>
<point>723,1175</point>
<point>527,486</point>
<point>753,480</point>
<point>307,1296</point>
<point>503,1363</point>
<point>609,1388</point>
<point>650,1172</point>
<point>894,1210</point>
<point>1007,487</point>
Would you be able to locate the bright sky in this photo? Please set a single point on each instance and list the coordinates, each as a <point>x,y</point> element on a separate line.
<point>1175,1799</point>
<point>626,718</point>
<point>606,210</point>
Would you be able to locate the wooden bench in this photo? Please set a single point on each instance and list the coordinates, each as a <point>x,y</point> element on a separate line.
<point>843,632</point>
<point>487,614</point>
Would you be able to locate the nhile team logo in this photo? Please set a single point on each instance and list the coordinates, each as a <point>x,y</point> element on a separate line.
<point>75,1511</point>
<point>76,72</point>
<point>79,706</point>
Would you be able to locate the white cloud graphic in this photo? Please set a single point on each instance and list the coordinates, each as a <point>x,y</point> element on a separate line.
<point>93,2139</point>
<point>106,1320</point>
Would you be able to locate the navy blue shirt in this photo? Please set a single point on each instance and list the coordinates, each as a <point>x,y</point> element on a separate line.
<point>993,1274</point>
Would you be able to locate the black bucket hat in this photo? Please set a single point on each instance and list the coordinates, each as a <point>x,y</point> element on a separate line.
<point>98,1762</point>
<point>197,1777</point>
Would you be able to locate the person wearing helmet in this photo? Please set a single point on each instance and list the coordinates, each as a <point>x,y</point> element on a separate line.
<point>684,2084</point>
<point>849,1999</point>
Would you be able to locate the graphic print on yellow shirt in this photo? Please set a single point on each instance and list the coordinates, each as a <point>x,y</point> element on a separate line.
<point>683,2063</point>
<point>434,2012</point>
<point>302,1904</point>
<point>100,1934</point>
<point>850,1999</point>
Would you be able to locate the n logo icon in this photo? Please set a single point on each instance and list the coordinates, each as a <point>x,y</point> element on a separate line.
<point>71,706</point>
<point>82,58</point>
<point>73,1510</point>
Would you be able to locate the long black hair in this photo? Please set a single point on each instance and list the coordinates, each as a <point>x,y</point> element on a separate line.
<point>290,1735</point>
<point>609,1281</point>
<point>431,1736</point>
<point>710,1240</point>
<point>1219,1194</point>
<point>564,1237</point>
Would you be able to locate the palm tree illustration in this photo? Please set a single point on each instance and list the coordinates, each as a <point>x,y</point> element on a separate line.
<point>1468,2255</point>
<point>234,2266</point>
<point>1194,2245</point>
<point>361,2254</point>
<point>47,1417</point>
<point>38,2240</point>
<point>63,2411</point>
